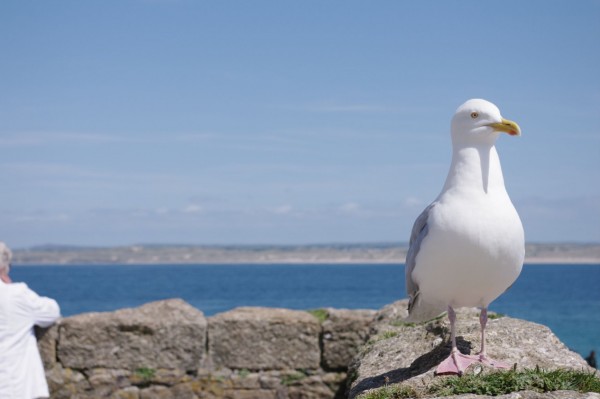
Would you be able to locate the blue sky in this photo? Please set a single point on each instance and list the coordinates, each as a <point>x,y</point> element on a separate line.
<point>277,122</point>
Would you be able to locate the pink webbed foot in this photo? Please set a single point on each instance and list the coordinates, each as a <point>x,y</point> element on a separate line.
<point>484,359</point>
<point>456,363</point>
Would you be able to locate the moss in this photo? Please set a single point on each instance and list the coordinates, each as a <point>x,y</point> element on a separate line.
<point>352,376</point>
<point>145,373</point>
<point>290,379</point>
<point>243,373</point>
<point>320,314</point>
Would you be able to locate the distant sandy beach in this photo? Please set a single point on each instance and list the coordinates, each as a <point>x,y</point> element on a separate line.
<point>560,253</point>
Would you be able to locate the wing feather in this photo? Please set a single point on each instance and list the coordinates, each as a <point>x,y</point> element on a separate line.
<point>417,309</point>
<point>419,232</point>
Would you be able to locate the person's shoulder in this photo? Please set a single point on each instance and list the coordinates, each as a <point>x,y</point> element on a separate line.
<point>19,288</point>
<point>16,291</point>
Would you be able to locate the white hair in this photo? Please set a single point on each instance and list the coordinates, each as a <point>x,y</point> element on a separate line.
<point>5,256</point>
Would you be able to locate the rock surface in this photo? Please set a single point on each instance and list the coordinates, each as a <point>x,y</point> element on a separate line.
<point>160,350</point>
<point>168,349</point>
<point>166,334</point>
<point>344,332</point>
<point>256,338</point>
<point>404,353</point>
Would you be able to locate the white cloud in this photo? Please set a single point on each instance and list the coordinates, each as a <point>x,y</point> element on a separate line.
<point>332,107</point>
<point>193,208</point>
<point>283,209</point>
<point>326,106</point>
<point>42,217</point>
<point>48,169</point>
<point>349,207</point>
<point>560,219</point>
<point>197,137</point>
<point>42,138</point>
<point>412,202</point>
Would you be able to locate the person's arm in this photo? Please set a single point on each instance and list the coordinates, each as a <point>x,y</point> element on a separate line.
<point>43,311</point>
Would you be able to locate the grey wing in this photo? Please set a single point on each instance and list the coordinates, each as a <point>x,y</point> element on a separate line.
<point>419,232</point>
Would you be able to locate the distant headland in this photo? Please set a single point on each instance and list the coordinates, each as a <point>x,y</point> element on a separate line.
<point>376,253</point>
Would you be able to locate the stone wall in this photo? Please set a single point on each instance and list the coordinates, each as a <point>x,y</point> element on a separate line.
<point>169,349</point>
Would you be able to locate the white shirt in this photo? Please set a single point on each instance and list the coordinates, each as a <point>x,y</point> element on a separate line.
<point>21,370</point>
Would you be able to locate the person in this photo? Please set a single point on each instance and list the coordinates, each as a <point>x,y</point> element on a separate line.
<point>21,369</point>
<point>591,359</point>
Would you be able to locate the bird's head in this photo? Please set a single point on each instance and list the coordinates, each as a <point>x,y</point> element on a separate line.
<point>479,121</point>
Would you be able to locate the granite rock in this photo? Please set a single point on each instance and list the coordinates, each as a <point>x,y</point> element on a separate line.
<point>66,383</point>
<point>256,338</point>
<point>104,381</point>
<point>344,332</point>
<point>317,387</point>
<point>167,334</point>
<point>47,339</point>
<point>408,353</point>
<point>126,393</point>
<point>159,351</point>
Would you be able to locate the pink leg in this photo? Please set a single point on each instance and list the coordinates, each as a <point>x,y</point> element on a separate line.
<point>456,363</point>
<point>483,358</point>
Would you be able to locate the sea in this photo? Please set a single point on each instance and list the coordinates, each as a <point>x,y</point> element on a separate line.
<point>565,298</point>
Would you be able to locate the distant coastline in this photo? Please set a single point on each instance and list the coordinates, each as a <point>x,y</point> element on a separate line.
<point>536,253</point>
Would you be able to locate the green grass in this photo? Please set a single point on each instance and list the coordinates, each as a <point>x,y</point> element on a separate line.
<point>402,323</point>
<point>352,376</point>
<point>243,373</point>
<point>145,373</point>
<point>391,392</point>
<point>290,379</point>
<point>495,384</point>
<point>494,316</point>
<point>513,381</point>
<point>320,314</point>
<point>382,336</point>
<point>389,334</point>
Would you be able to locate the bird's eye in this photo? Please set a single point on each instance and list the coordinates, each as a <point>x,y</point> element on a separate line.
<point>474,115</point>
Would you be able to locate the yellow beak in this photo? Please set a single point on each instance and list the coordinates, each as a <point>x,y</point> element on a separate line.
<point>507,126</point>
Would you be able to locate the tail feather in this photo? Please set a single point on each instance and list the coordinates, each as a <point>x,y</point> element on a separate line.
<point>420,311</point>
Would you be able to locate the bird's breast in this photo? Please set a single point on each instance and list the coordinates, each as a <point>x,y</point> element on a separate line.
<point>473,251</point>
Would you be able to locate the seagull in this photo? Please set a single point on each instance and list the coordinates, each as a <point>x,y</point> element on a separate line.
<point>467,247</point>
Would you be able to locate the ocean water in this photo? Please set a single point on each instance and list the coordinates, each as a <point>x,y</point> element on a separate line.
<point>564,297</point>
